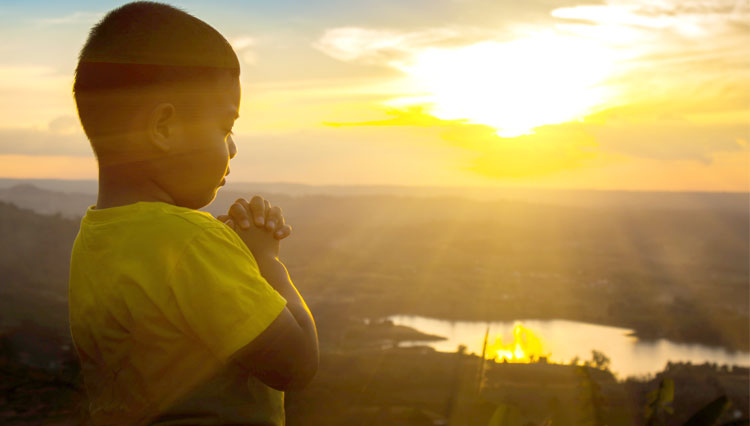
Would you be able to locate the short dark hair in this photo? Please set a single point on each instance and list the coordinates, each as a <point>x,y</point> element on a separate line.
<point>141,45</point>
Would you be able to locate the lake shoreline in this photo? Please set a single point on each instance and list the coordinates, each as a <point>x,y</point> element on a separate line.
<point>647,336</point>
<point>652,335</point>
<point>563,342</point>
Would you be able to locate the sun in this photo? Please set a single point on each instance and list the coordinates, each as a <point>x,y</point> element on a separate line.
<point>512,86</point>
<point>523,347</point>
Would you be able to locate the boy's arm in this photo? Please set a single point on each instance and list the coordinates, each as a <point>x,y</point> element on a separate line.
<point>285,355</point>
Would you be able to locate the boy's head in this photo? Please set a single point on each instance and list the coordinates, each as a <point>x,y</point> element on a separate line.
<point>157,92</point>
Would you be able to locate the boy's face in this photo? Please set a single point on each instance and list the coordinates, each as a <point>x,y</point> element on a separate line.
<point>195,169</point>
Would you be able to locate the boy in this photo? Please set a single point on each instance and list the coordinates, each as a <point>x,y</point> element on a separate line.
<point>177,318</point>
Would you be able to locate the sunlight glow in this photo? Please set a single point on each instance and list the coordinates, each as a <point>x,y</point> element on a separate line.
<point>524,347</point>
<point>514,86</point>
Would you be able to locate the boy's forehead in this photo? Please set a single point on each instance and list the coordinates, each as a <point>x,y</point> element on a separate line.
<point>223,98</point>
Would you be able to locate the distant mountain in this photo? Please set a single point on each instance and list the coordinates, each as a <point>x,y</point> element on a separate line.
<point>70,205</point>
<point>724,201</point>
<point>87,186</point>
<point>34,262</point>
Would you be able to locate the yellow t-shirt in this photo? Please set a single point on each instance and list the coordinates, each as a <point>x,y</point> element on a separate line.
<point>160,297</point>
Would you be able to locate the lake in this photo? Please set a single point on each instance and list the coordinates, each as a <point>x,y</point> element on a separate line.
<point>564,340</point>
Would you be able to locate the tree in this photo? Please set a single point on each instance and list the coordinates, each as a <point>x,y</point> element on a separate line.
<point>599,360</point>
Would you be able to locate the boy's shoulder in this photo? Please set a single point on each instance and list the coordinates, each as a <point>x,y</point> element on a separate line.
<point>195,226</point>
<point>189,218</point>
<point>189,224</point>
<point>154,229</point>
<point>156,219</point>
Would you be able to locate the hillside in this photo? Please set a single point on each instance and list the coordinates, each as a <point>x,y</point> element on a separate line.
<point>676,274</point>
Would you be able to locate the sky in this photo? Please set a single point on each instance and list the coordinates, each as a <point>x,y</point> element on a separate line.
<point>574,94</point>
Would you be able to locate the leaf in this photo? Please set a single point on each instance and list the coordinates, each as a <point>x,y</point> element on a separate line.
<point>648,411</point>
<point>709,414</point>
<point>505,415</point>
<point>666,391</point>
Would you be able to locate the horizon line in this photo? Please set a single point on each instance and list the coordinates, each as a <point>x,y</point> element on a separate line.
<point>444,187</point>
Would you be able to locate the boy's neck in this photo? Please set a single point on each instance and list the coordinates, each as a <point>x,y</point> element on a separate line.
<point>116,190</point>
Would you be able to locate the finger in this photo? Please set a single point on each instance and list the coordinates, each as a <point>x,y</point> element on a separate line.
<point>283,232</point>
<point>274,219</point>
<point>230,223</point>
<point>243,202</point>
<point>222,218</point>
<point>245,223</point>
<point>267,210</point>
<point>258,209</point>
<point>239,214</point>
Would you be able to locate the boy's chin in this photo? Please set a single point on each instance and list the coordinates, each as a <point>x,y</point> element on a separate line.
<point>199,202</point>
<point>209,199</point>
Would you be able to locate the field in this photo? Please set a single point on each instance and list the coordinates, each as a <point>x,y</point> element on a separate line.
<point>667,271</point>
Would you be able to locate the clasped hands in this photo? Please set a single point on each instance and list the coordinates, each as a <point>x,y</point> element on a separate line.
<point>242,214</point>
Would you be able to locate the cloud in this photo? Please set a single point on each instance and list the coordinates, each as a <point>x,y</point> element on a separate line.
<point>552,149</point>
<point>73,18</point>
<point>632,132</point>
<point>242,42</point>
<point>63,136</point>
<point>382,155</point>
<point>684,59</point>
<point>665,136</point>
<point>243,46</point>
<point>64,125</point>
<point>701,40</point>
<point>383,46</point>
<point>48,166</point>
<point>31,78</point>
<point>507,85</point>
<point>412,116</point>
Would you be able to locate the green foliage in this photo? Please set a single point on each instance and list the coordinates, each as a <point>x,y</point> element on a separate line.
<point>659,401</point>
<point>599,360</point>
<point>481,378</point>
<point>506,415</point>
<point>592,400</point>
<point>709,414</point>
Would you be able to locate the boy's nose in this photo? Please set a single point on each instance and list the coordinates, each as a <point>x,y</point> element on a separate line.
<point>232,148</point>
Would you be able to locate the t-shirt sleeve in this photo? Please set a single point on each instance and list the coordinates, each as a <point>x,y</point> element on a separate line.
<point>221,294</point>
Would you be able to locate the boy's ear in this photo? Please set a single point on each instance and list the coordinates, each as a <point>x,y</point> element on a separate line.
<point>161,123</point>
